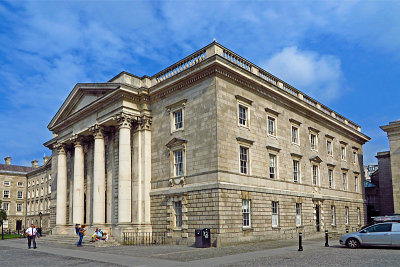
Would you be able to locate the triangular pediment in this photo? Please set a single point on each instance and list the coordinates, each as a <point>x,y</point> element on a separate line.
<point>175,142</point>
<point>80,97</point>
<point>316,159</point>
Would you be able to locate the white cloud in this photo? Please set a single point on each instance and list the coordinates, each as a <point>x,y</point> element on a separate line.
<point>320,76</point>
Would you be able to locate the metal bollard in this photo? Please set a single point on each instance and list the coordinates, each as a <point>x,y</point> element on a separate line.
<point>347,230</point>
<point>300,243</point>
<point>326,238</point>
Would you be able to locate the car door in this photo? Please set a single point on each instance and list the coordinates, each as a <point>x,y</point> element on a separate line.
<point>395,234</point>
<point>379,234</point>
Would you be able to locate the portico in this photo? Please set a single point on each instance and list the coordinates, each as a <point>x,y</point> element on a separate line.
<point>103,164</point>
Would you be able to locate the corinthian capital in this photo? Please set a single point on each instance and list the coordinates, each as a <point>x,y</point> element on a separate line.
<point>144,122</point>
<point>97,130</point>
<point>60,148</point>
<point>124,120</point>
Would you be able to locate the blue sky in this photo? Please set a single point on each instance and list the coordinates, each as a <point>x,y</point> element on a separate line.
<point>345,54</point>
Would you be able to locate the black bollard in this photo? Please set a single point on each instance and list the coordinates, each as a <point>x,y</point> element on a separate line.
<point>300,239</point>
<point>326,238</point>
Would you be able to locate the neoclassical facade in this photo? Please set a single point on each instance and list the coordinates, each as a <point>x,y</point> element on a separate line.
<point>212,141</point>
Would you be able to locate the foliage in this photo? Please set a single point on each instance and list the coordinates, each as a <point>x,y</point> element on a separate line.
<point>3,215</point>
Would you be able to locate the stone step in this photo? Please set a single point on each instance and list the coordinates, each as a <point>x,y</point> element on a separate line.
<point>72,240</point>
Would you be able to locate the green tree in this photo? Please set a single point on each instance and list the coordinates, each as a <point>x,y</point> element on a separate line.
<point>3,214</point>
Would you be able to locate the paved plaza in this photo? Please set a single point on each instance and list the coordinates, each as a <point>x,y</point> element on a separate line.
<point>272,253</point>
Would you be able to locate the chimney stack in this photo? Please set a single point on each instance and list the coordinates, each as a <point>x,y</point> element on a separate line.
<point>45,159</point>
<point>34,163</point>
<point>7,160</point>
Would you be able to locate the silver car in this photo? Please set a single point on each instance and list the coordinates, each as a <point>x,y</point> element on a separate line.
<point>381,234</point>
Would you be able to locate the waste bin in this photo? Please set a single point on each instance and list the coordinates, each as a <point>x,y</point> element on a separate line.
<point>199,238</point>
<point>206,237</point>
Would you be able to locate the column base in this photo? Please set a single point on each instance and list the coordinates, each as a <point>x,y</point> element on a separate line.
<point>67,229</point>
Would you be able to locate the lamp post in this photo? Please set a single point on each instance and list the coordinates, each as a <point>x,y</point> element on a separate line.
<point>40,215</point>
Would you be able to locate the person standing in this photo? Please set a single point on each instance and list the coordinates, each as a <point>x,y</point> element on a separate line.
<point>32,233</point>
<point>81,234</point>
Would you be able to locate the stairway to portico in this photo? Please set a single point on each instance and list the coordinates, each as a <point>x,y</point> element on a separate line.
<point>73,239</point>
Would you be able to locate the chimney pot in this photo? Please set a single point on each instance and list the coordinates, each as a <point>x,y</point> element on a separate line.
<point>7,160</point>
<point>45,159</point>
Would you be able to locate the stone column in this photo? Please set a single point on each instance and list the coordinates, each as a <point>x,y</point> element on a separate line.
<point>141,173</point>
<point>124,169</point>
<point>79,184</point>
<point>99,177</point>
<point>61,208</point>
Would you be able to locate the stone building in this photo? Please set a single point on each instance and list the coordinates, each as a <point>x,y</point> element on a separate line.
<point>369,170</point>
<point>379,195</point>
<point>38,196</point>
<point>393,133</point>
<point>212,141</point>
<point>13,190</point>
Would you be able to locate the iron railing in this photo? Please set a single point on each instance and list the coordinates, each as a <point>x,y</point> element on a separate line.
<point>144,238</point>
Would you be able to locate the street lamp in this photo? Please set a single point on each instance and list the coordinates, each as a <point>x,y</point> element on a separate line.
<point>40,215</point>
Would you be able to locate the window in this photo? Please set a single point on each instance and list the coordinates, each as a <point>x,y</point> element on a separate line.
<point>344,181</point>
<point>19,207</point>
<point>358,216</point>
<point>6,194</point>
<point>5,206</point>
<point>243,114</point>
<point>37,192</point>
<point>20,184</point>
<point>19,195</point>
<point>178,162</point>
<point>49,177</point>
<point>333,215</point>
<point>298,214</point>
<point>275,213</point>
<point>295,135</point>
<point>49,191</point>
<point>246,212</point>
<point>354,157</point>
<point>330,178</point>
<point>329,147</point>
<point>343,152</point>
<point>315,174</point>
<point>178,119</point>
<point>272,166</point>
<point>346,214</point>
<point>37,181</point>
<point>29,194</point>
<point>313,140</point>
<point>244,159</point>
<point>271,126</point>
<point>29,184</point>
<point>42,180</point>
<point>178,213</point>
<point>6,183</point>
<point>384,227</point>
<point>296,173</point>
<point>356,183</point>
<point>41,191</point>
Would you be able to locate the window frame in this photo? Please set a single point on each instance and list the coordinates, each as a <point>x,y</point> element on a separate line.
<point>314,141</point>
<point>20,184</point>
<point>178,166</point>
<point>273,165</point>
<point>343,152</point>
<point>315,177</point>
<point>8,195</point>
<point>19,205</point>
<point>344,181</point>
<point>275,213</point>
<point>346,215</point>
<point>356,184</point>
<point>6,206</point>
<point>296,174</point>
<point>246,213</point>
<point>358,216</point>
<point>246,113</point>
<point>331,181</point>
<point>178,215</point>
<point>247,161</point>
<point>329,147</point>
<point>174,118</point>
<point>298,215</point>
<point>7,183</point>
<point>173,109</point>
<point>18,194</point>
<point>296,135</point>
<point>333,215</point>
<point>274,126</point>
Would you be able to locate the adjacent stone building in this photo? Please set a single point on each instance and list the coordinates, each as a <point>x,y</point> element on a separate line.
<point>393,133</point>
<point>212,141</point>
<point>13,194</point>
<point>38,196</point>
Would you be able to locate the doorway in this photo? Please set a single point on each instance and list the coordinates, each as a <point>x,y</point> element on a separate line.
<point>317,217</point>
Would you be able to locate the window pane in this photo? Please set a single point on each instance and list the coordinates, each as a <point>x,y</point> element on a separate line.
<point>246,212</point>
<point>242,115</point>
<point>178,213</point>
<point>295,170</point>
<point>178,162</point>
<point>178,119</point>
<point>243,159</point>
<point>272,166</point>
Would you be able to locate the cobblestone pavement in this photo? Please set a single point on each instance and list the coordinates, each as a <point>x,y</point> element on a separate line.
<point>272,253</point>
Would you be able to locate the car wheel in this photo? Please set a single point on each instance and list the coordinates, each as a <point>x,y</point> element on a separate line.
<point>352,243</point>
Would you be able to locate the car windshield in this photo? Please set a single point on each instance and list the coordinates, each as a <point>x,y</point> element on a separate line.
<point>384,227</point>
